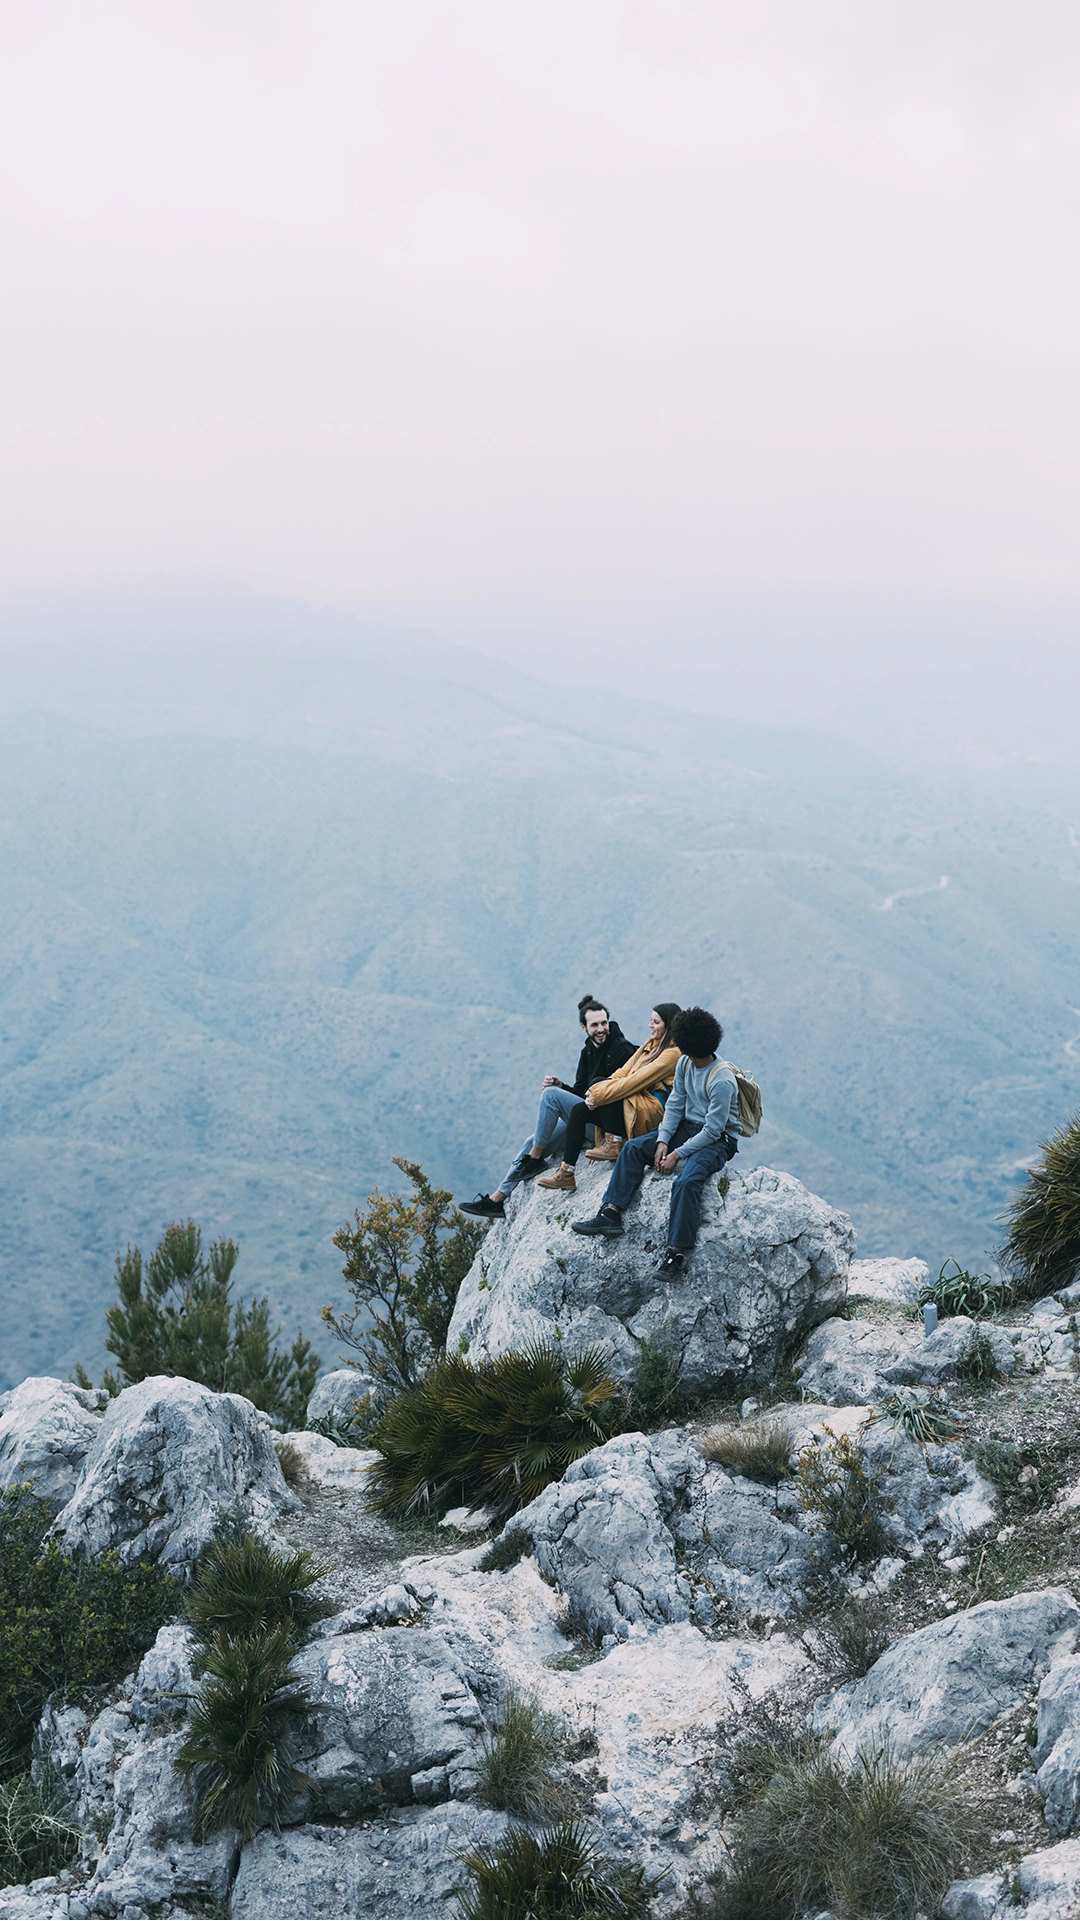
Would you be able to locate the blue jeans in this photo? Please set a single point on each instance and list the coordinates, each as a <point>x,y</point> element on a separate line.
<point>556,1106</point>
<point>686,1187</point>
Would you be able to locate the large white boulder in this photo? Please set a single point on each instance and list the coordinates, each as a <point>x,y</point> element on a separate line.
<point>339,1396</point>
<point>945,1684</point>
<point>771,1261</point>
<point>890,1279</point>
<point>168,1455</point>
<point>405,1863</point>
<point>46,1430</point>
<point>852,1362</point>
<point>1046,1886</point>
<point>1057,1745</point>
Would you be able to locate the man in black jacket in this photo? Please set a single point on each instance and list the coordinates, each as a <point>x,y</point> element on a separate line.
<point>605,1051</point>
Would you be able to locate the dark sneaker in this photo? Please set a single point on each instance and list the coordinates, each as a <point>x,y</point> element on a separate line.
<point>671,1267</point>
<point>484,1206</point>
<point>608,1221</point>
<point>527,1168</point>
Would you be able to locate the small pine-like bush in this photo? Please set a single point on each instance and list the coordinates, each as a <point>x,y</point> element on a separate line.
<point>243,1731</point>
<point>762,1452</point>
<point>961,1292</point>
<point>655,1396</point>
<point>505,1552</point>
<point>834,1483</point>
<point>879,1836</point>
<point>1042,1241</point>
<point>854,1635</point>
<point>37,1836</point>
<point>495,1434</point>
<point>242,1585</point>
<point>559,1872</point>
<point>1000,1461</point>
<point>977,1361</point>
<point>520,1760</point>
<point>66,1623</point>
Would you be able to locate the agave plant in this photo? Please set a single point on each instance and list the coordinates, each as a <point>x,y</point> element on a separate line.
<point>911,1411</point>
<point>496,1433</point>
<point>1042,1243</point>
<point>962,1292</point>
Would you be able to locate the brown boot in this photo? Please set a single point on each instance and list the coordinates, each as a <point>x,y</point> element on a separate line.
<point>609,1150</point>
<point>562,1179</point>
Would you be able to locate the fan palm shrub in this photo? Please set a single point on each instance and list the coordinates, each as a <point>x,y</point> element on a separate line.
<point>559,1872</point>
<point>243,1732</point>
<point>242,1585</point>
<point>495,1433</point>
<point>1042,1242</point>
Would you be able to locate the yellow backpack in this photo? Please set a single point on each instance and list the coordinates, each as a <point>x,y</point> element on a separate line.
<point>749,1098</point>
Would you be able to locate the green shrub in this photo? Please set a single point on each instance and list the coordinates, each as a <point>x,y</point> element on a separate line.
<point>976,1361</point>
<point>877,1837</point>
<point>241,1585</point>
<point>495,1433</point>
<point>558,1872</point>
<point>404,1262</point>
<point>853,1635</point>
<point>243,1732</point>
<point>176,1315</point>
<point>291,1463</point>
<point>761,1450</point>
<point>909,1408</point>
<point>1000,1461</point>
<point>834,1483</point>
<point>66,1623</point>
<point>505,1552</point>
<point>1042,1240</point>
<point>37,1835</point>
<point>655,1395</point>
<point>964,1293</point>
<point>520,1760</point>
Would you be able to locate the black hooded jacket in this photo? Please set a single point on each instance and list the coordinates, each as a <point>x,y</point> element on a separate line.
<point>596,1063</point>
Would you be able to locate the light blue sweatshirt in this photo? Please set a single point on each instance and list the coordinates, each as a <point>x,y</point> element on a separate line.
<point>714,1113</point>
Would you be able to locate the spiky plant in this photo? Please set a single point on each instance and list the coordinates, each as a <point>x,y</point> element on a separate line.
<point>244,1584</point>
<point>1042,1242</point>
<point>762,1452</point>
<point>496,1433</point>
<point>878,1836</point>
<point>243,1731</point>
<point>961,1292</point>
<point>37,1834</point>
<point>559,1872</point>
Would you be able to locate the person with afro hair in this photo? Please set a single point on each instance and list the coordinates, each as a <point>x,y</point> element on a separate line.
<point>696,1138</point>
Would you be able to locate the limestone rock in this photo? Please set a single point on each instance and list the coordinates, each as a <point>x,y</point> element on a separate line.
<point>930,1494</point>
<point>46,1430</point>
<point>334,1398</point>
<point>167,1456</point>
<point>888,1280</point>
<point>405,1863</point>
<point>848,1362</point>
<point>398,1721</point>
<point>1057,1745</point>
<point>1048,1883</point>
<point>945,1684</point>
<point>770,1263</point>
<point>331,1466</point>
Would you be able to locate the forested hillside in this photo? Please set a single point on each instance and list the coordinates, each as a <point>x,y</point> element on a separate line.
<point>283,897</point>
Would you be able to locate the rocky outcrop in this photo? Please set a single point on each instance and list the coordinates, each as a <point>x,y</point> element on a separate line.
<point>398,1721</point>
<point>329,1465</point>
<point>47,1428</point>
<point>167,1456</point>
<point>770,1263</point>
<point>338,1397</point>
<point>1057,1745</point>
<point>408,1863</point>
<point>1046,1885</point>
<point>898,1282</point>
<point>945,1684</point>
<point>849,1362</point>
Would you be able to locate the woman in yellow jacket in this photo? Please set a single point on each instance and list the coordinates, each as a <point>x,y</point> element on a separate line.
<point>628,1103</point>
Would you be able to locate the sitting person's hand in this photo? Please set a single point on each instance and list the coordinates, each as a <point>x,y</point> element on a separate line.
<point>550,1080</point>
<point>589,1102</point>
<point>666,1162</point>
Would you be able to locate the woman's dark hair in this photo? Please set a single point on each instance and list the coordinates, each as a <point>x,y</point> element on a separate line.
<point>588,1004</point>
<point>667,1011</point>
<point>697,1032</point>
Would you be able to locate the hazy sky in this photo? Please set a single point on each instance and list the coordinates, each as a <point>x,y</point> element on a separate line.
<point>548,323</point>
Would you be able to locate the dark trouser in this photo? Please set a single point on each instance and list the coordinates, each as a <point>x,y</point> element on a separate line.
<point>687,1186</point>
<point>609,1118</point>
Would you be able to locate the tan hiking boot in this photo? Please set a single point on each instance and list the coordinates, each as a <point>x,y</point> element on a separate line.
<point>609,1151</point>
<point>562,1179</point>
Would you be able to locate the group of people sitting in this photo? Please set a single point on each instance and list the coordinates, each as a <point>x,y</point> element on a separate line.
<point>669,1104</point>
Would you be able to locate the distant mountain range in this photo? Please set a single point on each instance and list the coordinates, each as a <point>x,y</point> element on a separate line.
<point>284,896</point>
